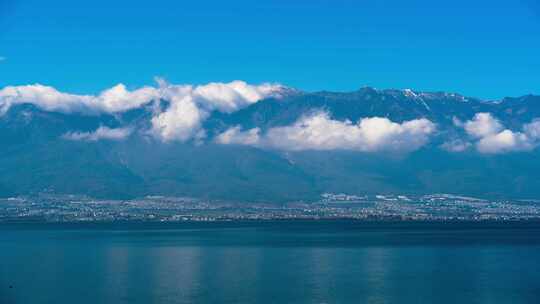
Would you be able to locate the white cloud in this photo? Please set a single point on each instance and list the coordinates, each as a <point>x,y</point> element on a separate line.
<point>493,138</point>
<point>224,97</point>
<point>119,99</point>
<point>532,129</point>
<point>483,124</point>
<point>115,99</point>
<point>456,145</point>
<point>101,133</point>
<point>230,97</point>
<point>44,97</point>
<point>235,136</point>
<point>505,141</point>
<point>181,121</point>
<point>2,58</point>
<point>190,106</point>
<point>320,132</point>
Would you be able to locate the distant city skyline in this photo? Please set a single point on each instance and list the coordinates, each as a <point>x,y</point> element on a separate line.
<point>487,49</point>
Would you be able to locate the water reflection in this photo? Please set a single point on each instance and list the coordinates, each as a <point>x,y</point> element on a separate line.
<point>240,267</point>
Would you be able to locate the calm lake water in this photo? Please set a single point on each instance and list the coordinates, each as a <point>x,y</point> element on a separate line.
<point>275,262</point>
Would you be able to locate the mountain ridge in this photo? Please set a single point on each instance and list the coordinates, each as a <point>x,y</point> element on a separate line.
<point>37,156</point>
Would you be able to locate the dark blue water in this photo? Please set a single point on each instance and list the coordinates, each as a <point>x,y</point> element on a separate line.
<point>279,262</point>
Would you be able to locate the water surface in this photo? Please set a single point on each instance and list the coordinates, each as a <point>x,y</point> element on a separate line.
<point>273,262</point>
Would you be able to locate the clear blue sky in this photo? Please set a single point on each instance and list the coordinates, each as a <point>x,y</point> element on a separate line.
<point>480,48</point>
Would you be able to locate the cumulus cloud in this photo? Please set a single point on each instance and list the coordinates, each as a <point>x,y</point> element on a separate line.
<point>533,129</point>
<point>191,105</point>
<point>181,121</point>
<point>101,133</point>
<point>319,132</point>
<point>119,99</point>
<point>115,99</point>
<point>188,106</point>
<point>230,97</point>
<point>235,136</point>
<point>456,145</point>
<point>491,136</point>
<point>505,141</point>
<point>482,125</point>
<point>44,97</point>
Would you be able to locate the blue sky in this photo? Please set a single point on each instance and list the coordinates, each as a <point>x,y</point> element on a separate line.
<point>481,48</point>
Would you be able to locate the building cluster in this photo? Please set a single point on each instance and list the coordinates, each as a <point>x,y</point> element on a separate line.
<point>439,207</point>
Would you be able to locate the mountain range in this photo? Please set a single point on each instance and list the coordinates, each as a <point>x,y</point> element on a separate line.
<point>266,143</point>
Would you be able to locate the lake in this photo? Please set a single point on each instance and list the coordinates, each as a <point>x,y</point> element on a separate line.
<point>270,262</point>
